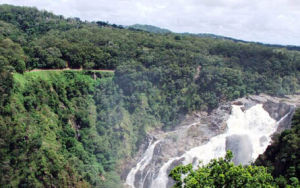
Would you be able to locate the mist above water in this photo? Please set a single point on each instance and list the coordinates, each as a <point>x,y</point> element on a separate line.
<point>248,134</point>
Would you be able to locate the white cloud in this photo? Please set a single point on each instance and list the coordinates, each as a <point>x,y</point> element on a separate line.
<point>269,21</point>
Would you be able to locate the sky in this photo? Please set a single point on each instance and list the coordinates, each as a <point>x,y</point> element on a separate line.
<point>267,21</point>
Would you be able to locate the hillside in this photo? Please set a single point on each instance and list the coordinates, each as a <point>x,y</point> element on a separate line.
<point>73,128</point>
<point>149,28</point>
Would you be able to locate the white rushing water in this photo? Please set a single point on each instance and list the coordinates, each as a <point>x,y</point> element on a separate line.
<point>146,159</point>
<point>255,124</point>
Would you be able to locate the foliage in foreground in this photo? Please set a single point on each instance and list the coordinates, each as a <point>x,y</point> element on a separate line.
<point>221,173</point>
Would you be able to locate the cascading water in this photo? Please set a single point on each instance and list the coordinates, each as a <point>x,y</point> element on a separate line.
<point>146,159</point>
<point>248,133</point>
<point>144,162</point>
<point>254,124</point>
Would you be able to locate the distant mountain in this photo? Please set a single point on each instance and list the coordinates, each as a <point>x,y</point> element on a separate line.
<point>209,35</point>
<point>155,29</point>
<point>149,28</point>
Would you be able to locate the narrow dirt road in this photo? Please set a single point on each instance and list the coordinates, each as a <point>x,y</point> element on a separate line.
<point>66,69</point>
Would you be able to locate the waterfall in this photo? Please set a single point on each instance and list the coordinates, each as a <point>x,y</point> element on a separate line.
<point>147,157</point>
<point>286,115</point>
<point>248,134</point>
<point>255,123</point>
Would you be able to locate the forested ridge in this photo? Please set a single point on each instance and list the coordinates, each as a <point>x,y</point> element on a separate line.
<point>78,128</point>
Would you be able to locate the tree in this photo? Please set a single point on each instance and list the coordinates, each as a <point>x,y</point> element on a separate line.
<point>221,173</point>
<point>13,53</point>
<point>6,81</point>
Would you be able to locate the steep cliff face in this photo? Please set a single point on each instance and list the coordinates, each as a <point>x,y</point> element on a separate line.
<point>248,121</point>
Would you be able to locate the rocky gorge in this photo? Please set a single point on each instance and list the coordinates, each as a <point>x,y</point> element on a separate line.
<point>244,126</point>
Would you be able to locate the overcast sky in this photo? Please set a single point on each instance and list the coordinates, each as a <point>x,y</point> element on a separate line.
<point>268,21</point>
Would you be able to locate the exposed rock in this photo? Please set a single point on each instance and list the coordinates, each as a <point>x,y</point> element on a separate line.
<point>199,127</point>
<point>276,110</point>
<point>197,72</point>
<point>239,103</point>
<point>174,164</point>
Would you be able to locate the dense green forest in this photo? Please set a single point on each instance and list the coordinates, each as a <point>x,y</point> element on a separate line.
<point>77,128</point>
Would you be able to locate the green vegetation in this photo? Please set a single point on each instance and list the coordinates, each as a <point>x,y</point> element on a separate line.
<point>221,173</point>
<point>40,136</point>
<point>75,128</point>
<point>283,157</point>
<point>149,28</point>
